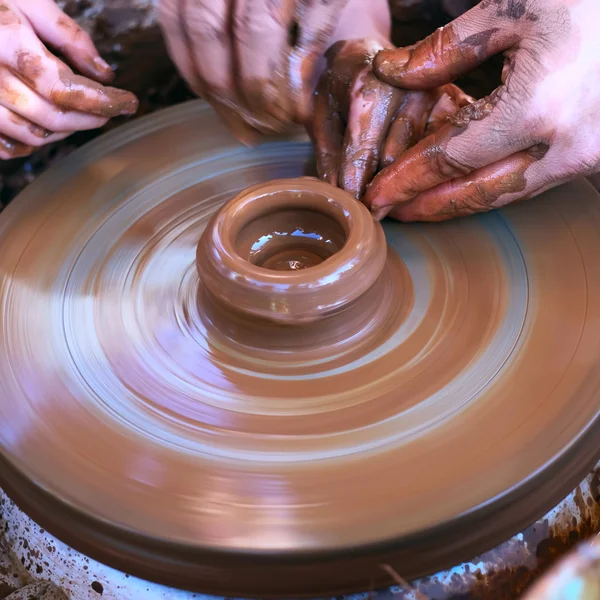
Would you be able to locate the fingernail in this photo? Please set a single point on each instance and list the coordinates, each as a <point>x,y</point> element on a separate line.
<point>39,132</point>
<point>129,105</point>
<point>390,63</point>
<point>102,65</point>
<point>97,68</point>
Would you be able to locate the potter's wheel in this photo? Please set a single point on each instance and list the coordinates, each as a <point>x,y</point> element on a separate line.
<point>136,430</point>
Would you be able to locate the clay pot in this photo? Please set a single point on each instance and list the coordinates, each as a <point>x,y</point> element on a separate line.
<point>291,251</point>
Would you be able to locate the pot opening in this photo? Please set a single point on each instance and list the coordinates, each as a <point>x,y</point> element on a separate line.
<point>290,239</point>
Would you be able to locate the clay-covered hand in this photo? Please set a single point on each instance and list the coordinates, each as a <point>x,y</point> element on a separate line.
<point>255,61</point>
<point>361,124</point>
<point>41,99</point>
<point>538,129</point>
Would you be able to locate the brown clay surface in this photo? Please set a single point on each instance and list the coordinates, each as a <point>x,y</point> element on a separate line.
<point>148,429</point>
<point>254,254</point>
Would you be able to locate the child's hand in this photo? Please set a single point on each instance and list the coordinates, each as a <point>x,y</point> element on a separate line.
<point>41,99</point>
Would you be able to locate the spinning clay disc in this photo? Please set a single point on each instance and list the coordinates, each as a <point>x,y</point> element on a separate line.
<point>151,428</point>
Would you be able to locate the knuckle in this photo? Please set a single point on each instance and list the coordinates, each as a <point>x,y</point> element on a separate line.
<point>37,136</point>
<point>449,163</point>
<point>439,43</point>
<point>56,91</point>
<point>82,37</point>
<point>73,31</point>
<point>208,21</point>
<point>22,151</point>
<point>29,62</point>
<point>364,160</point>
<point>509,109</point>
<point>480,198</point>
<point>248,23</point>
<point>168,12</point>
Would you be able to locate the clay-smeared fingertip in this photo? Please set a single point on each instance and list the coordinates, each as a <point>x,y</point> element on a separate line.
<point>102,70</point>
<point>129,105</point>
<point>326,169</point>
<point>10,148</point>
<point>102,66</point>
<point>389,65</point>
<point>93,66</point>
<point>104,78</point>
<point>371,199</point>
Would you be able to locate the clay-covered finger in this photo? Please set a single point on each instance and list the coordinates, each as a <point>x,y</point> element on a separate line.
<point>450,51</point>
<point>22,130</point>
<point>55,82</point>
<point>476,136</point>
<point>326,131</point>
<point>316,23</point>
<point>10,148</point>
<point>261,35</point>
<point>62,33</point>
<point>449,100</point>
<point>20,99</point>
<point>75,93</point>
<point>482,190</point>
<point>373,105</point>
<point>408,126</point>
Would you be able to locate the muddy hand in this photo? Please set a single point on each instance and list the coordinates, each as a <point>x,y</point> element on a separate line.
<point>361,124</point>
<point>538,129</point>
<point>41,99</point>
<point>253,60</point>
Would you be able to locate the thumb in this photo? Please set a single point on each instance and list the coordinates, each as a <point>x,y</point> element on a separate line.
<point>449,52</point>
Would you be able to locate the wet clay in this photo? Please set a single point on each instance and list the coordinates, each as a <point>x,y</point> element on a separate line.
<point>325,247</point>
<point>155,429</point>
<point>288,240</point>
<point>86,95</point>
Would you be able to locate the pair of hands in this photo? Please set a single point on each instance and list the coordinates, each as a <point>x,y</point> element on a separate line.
<point>41,99</point>
<point>253,60</point>
<point>439,153</point>
<point>536,130</point>
<point>258,61</point>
